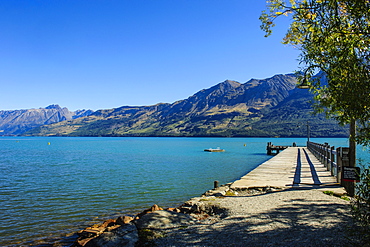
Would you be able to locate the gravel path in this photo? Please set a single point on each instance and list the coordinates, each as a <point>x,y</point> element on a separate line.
<point>284,218</point>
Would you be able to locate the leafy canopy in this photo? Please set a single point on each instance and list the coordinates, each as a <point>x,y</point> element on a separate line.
<point>334,38</point>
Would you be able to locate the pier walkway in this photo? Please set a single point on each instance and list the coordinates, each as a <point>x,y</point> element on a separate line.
<point>298,214</point>
<point>294,167</point>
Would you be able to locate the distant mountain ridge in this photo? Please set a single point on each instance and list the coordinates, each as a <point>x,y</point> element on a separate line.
<point>267,107</point>
<point>16,122</point>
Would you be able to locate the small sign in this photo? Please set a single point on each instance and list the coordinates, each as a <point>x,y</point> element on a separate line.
<point>351,174</point>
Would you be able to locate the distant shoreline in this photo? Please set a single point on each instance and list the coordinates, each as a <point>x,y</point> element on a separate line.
<point>182,136</point>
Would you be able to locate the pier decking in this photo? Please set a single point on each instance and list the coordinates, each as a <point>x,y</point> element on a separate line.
<point>294,167</point>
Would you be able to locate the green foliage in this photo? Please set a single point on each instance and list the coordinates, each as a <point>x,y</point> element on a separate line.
<point>333,37</point>
<point>360,205</point>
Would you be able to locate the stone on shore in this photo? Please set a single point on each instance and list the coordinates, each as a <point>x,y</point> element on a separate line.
<point>125,235</point>
<point>152,209</point>
<point>164,220</point>
<point>124,220</point>
<point>124,230</point>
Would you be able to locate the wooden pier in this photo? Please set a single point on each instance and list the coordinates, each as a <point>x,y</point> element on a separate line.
<point>294,167</point>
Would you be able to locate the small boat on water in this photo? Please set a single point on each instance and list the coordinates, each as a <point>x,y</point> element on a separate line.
<point>214,150</point>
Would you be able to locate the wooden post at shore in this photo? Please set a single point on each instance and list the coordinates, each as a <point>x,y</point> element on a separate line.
<point>215,184</point>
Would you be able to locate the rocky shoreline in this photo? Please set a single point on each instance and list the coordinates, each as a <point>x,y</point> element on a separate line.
<point>141,229</point>
<point>233,217</point>
<point>258,216</point>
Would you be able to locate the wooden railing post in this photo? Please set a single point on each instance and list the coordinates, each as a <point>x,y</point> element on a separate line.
<point>339,165</point>
<point>325,153</point>
<point>332,160</point>
<point>322,153</point>
<point>327,156</point>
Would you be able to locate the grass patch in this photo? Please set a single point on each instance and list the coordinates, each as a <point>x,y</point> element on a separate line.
<point>346,198</point>
<point>207,199</point>
<point>328,192</point>
<point>231,193</point>
<point>331,193</point>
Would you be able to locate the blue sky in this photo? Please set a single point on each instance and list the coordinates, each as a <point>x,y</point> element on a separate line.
<point>100,54</point>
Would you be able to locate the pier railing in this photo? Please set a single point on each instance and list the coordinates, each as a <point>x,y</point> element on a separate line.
<point>334,159</point>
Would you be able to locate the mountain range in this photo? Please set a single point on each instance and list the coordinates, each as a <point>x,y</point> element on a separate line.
<point>16,122</point>
<point>259,108</point>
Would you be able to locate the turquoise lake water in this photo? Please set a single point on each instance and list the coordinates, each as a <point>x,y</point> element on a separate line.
<point>52,186</point>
